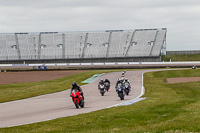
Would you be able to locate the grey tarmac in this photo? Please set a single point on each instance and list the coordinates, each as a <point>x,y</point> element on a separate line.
<point>56,105</point>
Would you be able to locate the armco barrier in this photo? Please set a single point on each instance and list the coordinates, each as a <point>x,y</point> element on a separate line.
<point>103,64</point>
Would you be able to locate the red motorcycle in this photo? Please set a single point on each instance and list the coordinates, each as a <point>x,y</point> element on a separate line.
<point>77,99</point>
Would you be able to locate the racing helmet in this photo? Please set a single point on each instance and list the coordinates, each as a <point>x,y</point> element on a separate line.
<point>74,84</point>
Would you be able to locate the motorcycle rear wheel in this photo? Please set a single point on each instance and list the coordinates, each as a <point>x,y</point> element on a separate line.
<point>82,104</point>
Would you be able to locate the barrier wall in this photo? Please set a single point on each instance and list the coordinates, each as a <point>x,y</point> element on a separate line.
<point>89,60</point>
<point>105,64</point>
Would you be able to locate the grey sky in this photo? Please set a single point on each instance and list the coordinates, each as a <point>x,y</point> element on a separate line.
<point>180,17</point>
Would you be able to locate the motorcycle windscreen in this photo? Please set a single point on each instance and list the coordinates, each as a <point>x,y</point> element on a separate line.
<point>101,86</point>
<point>126,85</point>
<point>74,92</point>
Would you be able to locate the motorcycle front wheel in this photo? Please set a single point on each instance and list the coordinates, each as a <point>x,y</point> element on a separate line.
<point>76,104</point>
<point>121,96</point>
<point>127,92</point>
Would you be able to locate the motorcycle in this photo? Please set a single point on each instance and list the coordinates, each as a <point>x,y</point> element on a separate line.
<point>127,88</point>
<point>118,86</point>
<point>107,86</point>
<point>120,92</point>
<point>102,89</point>
<point>77,99</point>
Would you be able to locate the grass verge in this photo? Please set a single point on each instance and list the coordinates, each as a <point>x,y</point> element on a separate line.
<point>181,57</point>
<point>168,108</point>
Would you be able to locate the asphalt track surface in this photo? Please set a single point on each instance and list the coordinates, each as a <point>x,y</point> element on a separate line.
<point>56,105</point>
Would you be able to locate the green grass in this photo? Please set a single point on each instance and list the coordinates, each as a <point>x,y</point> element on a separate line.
<point>16,91</point>
<point>181,57</point>
<point>168,108</point>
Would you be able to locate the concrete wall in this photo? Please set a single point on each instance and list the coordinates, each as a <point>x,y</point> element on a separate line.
<point>190,52</point>
<point>84,60</point>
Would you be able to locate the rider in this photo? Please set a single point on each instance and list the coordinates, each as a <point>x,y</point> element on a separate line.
<point>119,81</point>
<point>122,78</point>
<point>75,86</point>
<point>101,82</point>
<point>127,81</point>
<point>106,80</point>
<point>123,72</point>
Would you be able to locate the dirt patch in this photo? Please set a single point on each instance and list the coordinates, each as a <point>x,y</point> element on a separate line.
<point>24,77</point>
<point>182,80</point>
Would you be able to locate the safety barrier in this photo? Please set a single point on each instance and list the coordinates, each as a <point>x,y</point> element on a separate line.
<point>102,64</point>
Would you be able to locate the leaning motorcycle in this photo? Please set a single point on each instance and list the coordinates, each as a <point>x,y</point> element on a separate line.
<point>120,92</point>
<point>107,86</point>
<point>102,89</point>
<point>77,99</point>
<point>127,88</point>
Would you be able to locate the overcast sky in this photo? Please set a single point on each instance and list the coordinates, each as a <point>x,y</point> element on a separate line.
<point>180,17</point>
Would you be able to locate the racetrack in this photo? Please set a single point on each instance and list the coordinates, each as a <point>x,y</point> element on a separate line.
<point>59,104</point>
